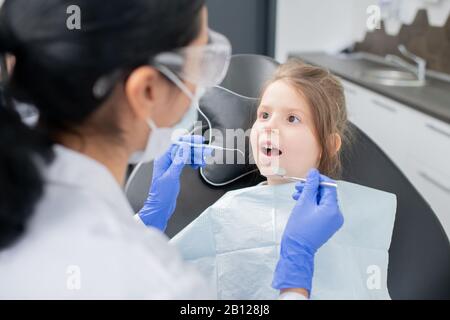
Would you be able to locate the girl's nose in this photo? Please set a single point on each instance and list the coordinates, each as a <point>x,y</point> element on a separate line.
<point>268,130</point>
<point>270,125</point>
<point>271,134</point>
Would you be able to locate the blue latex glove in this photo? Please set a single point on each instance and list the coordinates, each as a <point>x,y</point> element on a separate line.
<point>313,221</point>
<point>165,187</point>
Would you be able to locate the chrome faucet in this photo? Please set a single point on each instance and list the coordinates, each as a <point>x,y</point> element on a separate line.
<point>419,69</point>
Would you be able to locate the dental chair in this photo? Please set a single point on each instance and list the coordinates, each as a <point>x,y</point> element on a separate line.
<point>248,73</point>
<point>419,256</point>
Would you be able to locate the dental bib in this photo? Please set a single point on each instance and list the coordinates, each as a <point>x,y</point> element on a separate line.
<point>235,243</point>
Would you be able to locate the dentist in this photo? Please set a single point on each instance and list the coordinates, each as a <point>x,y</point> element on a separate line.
<point>116,91</point>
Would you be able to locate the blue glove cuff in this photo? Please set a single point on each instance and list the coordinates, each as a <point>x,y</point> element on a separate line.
<point>152,214</point>
<point>294,270</point>
<point>153,219</point>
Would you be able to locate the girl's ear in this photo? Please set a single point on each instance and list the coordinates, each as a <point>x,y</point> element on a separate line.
<point>335,143</point>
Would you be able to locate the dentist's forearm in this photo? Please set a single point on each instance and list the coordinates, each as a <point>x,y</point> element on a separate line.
<point>294,294</point>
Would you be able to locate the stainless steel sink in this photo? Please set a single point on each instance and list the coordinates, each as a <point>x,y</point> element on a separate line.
<point>391,70</point>
<point>390,77</point>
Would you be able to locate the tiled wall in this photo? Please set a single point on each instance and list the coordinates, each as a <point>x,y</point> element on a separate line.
<point>419,37</point>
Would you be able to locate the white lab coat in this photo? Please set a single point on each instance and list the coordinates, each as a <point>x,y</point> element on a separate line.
<point>83,243</point>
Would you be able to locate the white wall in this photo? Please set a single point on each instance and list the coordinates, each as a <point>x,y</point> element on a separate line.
<point>318,25</point>
<point>331,25</point>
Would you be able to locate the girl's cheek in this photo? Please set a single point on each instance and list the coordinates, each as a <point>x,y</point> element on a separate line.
<point>302,143</point>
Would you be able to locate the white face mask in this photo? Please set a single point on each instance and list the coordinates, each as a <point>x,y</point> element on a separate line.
<point>160,139</point>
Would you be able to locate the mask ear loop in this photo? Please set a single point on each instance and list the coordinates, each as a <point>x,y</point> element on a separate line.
<point>169,74</point>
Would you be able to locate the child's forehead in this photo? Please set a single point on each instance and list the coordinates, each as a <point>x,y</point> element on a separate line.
<point>282,95</point>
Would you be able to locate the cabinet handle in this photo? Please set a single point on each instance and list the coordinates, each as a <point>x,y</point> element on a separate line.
<point>384,106</point>
<point>438,130</point>
<point>434,182</point>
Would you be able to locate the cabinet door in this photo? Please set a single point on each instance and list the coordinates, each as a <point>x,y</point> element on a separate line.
<point>359,107</point>
<point>384,124</point>
<point>428,141</point>
<point>434,186</point>
<point>377,116</point>
<point>352,95</point>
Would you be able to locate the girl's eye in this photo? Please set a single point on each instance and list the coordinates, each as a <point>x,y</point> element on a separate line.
<point>293,119</point>
<point>264,115</point>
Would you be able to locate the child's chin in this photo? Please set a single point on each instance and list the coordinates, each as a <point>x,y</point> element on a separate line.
<point>268,171</point>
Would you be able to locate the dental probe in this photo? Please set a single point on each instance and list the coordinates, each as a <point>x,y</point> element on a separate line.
<point>280,172</point>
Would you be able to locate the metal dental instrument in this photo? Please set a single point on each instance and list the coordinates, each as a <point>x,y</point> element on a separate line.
<point>280,172</point>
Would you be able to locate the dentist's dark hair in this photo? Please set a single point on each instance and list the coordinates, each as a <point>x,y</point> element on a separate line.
<point>55,70</point>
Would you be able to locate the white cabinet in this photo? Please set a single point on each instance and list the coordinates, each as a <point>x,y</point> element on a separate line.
<point>352,95</point>
<point>429,140</point>
<point>417,143</point>
<point>434,187</point>
<point>377,116</point>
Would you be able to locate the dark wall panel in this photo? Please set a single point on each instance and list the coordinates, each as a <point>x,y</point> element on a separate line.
<point>249,24</point>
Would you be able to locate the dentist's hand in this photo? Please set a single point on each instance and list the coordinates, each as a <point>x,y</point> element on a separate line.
<point>165,187</point>
<point>313,221</point>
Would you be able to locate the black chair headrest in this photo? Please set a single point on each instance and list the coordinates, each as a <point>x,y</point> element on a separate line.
<point>231,116</point>
<point>248,73</point>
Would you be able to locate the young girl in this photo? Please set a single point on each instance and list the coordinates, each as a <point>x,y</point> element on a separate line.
<point>301,124</point>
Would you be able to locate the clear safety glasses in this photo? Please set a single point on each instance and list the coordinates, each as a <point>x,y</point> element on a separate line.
<point>203,65</point>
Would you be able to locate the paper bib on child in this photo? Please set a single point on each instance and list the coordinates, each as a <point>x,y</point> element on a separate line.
<point>235,243</point>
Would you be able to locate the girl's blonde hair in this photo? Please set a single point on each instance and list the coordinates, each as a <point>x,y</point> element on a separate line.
<point>325,95</point>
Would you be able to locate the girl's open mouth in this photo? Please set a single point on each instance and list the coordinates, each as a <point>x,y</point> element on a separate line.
<point>271,151</point>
